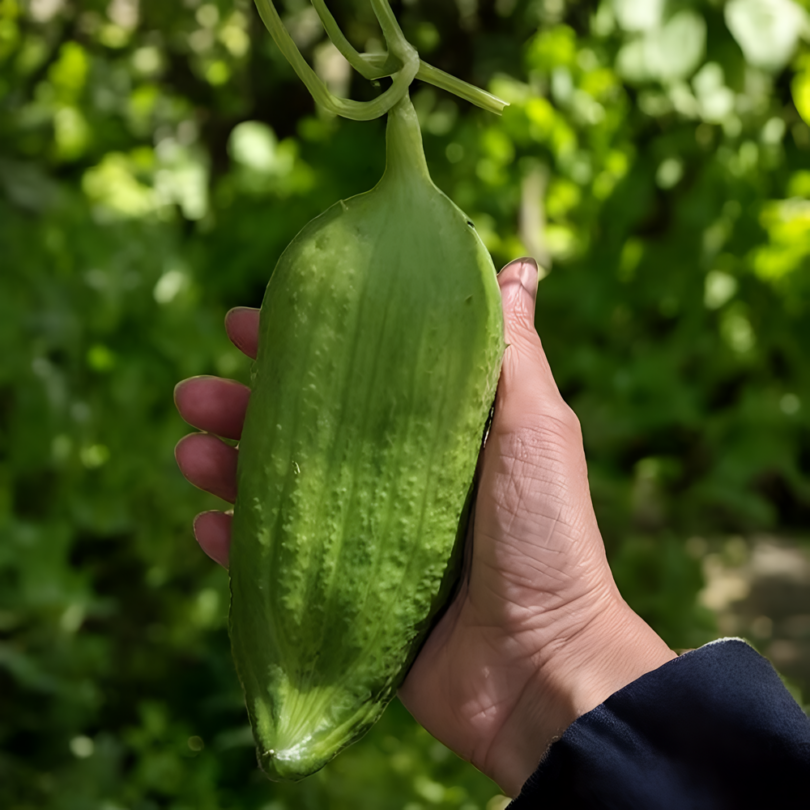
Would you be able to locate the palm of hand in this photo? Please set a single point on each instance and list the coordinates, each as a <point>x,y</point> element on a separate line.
<point>537,578</point>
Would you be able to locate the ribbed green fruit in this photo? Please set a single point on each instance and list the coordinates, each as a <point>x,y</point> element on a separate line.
<point>380,346</point>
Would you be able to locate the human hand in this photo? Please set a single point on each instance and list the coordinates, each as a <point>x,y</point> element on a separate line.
<point>538,634</point>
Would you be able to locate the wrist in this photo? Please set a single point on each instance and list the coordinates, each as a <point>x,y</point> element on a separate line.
<point>572,677</point>
<point>615,650</point>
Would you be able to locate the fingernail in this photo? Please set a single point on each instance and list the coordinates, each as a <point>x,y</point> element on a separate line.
<point>231,312</point>
<point>228,317</point>
<point>183,383</point>
<point>529,272</point>
<point>525,271</point>
<point>177,447</point>
<point>196,520</point>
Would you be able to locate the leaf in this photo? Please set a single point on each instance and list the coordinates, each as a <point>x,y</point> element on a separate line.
<point>766,30</point>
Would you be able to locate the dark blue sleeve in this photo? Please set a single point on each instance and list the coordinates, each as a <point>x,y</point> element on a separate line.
<point>713,729</point>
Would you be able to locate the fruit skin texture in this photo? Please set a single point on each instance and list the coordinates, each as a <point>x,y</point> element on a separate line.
<point>380,343</point>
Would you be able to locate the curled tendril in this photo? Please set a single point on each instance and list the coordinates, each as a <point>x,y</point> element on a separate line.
<point>401,62</point>
<point>356,110</point>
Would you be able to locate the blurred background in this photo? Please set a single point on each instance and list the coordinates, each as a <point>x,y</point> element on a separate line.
<point>156,157</point>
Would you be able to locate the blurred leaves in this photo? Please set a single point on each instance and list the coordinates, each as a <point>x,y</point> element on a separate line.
<point>767,31</point>
<point>156,158</point>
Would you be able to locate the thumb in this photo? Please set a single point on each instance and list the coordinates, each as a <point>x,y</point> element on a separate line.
<point>527,392</point>
<point>518,283</point>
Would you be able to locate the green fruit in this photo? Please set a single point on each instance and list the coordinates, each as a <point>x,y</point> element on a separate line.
<point>380,345</point>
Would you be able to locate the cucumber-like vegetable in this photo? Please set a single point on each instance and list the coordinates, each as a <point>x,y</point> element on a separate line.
<point>380,344</point>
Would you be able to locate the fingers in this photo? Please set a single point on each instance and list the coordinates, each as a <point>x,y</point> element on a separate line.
<point>213,533</point>
<point>526,390</point>
<point>218,407</point>
<point>242,326</point>
<point>209,464</point>
<point>212,404</point>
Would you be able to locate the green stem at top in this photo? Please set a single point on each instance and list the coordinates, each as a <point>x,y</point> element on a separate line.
<point>404,152</point>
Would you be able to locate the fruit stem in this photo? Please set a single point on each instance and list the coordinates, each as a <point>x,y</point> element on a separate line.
<point>404,153</point>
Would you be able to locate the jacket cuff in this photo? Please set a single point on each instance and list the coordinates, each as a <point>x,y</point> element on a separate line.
<point>713,728</point>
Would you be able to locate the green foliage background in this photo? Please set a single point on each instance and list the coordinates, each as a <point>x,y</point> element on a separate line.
<point>156,157</point>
